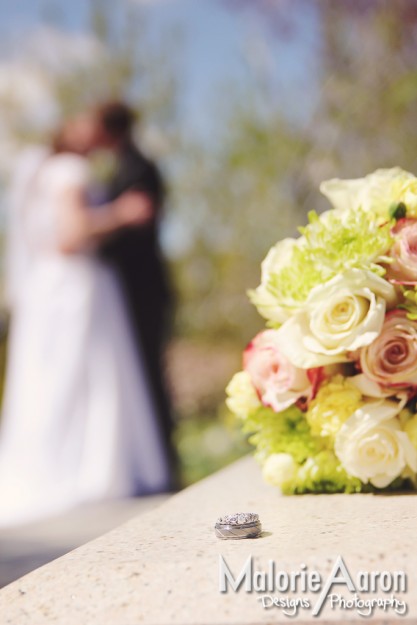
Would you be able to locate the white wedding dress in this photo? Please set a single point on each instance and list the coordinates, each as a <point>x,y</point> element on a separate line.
<point>78,423</point>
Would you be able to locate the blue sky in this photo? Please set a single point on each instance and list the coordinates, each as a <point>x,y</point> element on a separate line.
<point>216,46</point>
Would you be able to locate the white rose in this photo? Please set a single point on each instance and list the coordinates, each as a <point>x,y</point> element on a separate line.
<point>371,445</point>
<point>375,193</point>
<point>242,398</point>
<point>339,317</point>
<point>279,469</point>
<point>262,297</point>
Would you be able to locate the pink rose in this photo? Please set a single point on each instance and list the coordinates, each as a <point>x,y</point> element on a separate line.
<point>278,383</point>
<point>391,359</point>
<point>403,269</point>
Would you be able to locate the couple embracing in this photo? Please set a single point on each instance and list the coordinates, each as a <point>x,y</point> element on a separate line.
<point>85,413</point>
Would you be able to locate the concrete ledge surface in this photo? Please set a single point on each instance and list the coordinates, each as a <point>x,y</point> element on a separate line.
<point>163,567</point>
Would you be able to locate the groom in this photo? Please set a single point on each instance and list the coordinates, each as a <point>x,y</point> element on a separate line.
<point>135,253</point>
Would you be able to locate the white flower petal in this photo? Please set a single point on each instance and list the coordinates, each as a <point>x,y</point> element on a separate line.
<point>281,401</point>
<point>409,451</point>
<point>323,332</point>
<point>374,193</point>
<point>371,445</point>
<point>343,194</point>
<point>279,469</point>
<point>266,303</point>
<point>292,337</point>
<point>368,387</point>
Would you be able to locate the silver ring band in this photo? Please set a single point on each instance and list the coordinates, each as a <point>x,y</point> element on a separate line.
<point>234,531</point>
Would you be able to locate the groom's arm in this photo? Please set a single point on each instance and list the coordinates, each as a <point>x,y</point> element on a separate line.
<point>141,175</point>
<point>80,225</point>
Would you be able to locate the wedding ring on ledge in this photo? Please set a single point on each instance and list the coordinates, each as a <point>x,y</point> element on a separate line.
<point>238,525</point>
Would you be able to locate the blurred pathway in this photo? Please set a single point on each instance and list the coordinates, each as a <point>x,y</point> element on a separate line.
<point>27,547</point>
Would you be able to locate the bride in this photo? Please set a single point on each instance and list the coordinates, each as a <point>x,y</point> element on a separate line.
<point>78,422</point>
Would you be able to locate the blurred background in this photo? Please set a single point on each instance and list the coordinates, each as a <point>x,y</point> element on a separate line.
<point>246,106</point>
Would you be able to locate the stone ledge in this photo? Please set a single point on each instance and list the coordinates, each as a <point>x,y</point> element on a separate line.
<point>27,547</point>
<point>162,567</point>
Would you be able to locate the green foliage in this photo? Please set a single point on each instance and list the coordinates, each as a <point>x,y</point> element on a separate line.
<point>410,304</point>
<point>324,474</point>
<point>330,245</point>
<point>397,211</point>
<point>288,432</point>
<point>346,240</point>
<point>284,432</point>
<point>234,203</point>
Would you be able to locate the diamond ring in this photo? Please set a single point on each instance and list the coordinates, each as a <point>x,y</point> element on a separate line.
<point>238,525</point>
<point>239,518</point>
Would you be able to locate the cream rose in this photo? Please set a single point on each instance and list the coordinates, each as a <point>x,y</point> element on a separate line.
<point>391,359</point>
<point>262,297</point>
<point>371,445</point>
<point>404,252</point>
<point>242,399</point>
<point>339,317</point>
<point>375,193</point>
<point>278,383</point>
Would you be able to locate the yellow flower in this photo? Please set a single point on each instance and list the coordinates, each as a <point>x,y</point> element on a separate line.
<point>242,398</point>
<point>335,402</point>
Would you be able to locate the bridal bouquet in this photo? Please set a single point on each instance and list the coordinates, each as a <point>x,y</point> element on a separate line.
<point>329,390</point>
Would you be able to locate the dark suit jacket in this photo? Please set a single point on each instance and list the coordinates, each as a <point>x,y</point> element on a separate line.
<point>135,251</point>
<point>135,254</point>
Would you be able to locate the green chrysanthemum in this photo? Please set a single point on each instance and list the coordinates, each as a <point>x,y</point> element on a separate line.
<point>330,244</point>
<point>323,473</point>
<point>352,239</point>
<point>287,431</point>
